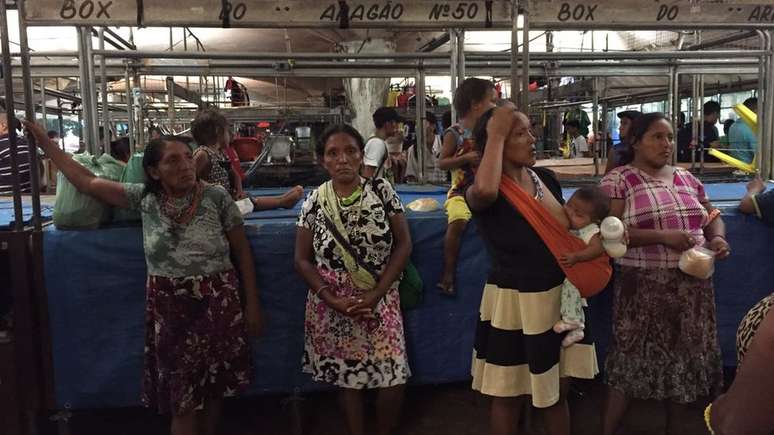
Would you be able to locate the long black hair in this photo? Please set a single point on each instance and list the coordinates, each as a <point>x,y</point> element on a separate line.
<point>637,131</point>
<point>480,135</point>
<point>153,154</point>
<point>471,91</point>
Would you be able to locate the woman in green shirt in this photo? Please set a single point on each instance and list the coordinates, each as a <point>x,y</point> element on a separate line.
<point>196,347</point>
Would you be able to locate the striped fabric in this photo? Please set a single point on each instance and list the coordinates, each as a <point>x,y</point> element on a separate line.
<point>23,161</point>
<point>653,204</point>
<point>516,351</point>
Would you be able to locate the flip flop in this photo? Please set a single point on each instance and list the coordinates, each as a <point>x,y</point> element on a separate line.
<point>446,291</point>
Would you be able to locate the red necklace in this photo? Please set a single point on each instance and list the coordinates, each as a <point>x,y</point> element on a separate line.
<point>184,215</point>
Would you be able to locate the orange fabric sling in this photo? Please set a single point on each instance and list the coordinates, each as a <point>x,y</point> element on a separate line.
<point>590,277</point>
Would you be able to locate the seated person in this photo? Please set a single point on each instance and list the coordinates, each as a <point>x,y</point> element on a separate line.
<point>746,407</point>
<point>758,201</point>
<point>210,131</point>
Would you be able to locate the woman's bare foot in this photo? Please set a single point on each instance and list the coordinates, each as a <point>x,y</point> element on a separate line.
<point>290,198</point>
<point>756,185</point>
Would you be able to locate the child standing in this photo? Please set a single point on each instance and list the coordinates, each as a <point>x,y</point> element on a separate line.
<point>585,210</point>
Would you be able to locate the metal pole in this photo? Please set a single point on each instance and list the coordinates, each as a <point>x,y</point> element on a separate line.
<point>694,119</point>
<point>9,107</point>
<point>420,127</point>
<point>129,111</point>
<point>525,60</point>
<point>500,56</point>
<point>103,85</point>
<point>514,51</point>
<point>171,102</point>
<point>185,48</point>
<point>60,118</point>
<point>766,118</point>
<point>595,123</point>
<point>43,103</point>
<point>676,105</point>
<point>762,97</point>
<point>453,69</point>
<point>603,148</point>
<point>88,94</point>
<point>140,115</point>
<point>29,105</point>
<point>669,109</point>
<point>700,108</point>
<point>461,73</point>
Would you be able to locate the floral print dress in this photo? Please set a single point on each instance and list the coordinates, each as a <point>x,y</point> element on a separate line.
<point>339,350</point>
<point>196,344</point>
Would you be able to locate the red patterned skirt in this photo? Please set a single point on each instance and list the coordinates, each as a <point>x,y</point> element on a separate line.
<point>196,344</point>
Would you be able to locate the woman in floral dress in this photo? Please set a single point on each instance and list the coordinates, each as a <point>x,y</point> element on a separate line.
<point>351,245</point>
<point>196,346</point>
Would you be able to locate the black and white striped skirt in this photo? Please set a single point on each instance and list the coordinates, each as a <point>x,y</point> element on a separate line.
<point>516,352</point>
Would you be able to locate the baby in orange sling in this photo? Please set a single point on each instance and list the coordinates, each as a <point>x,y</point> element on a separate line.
<point>582,256</point>
<point>585,210</point>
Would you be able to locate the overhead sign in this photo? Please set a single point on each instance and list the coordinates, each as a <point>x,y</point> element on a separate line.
<point>81,12</point>
<point>406,14</point>
<point>357,14</point>
<point>435,14</point>
<point>651,14</point>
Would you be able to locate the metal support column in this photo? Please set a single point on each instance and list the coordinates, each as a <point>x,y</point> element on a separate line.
<point>461,73</point>
<point>140,126</point>
<point>93,92</point>
<point>171,102</point>
<point>60,118</point>
<point>420,117</point>
<point>766,112</point>
<point>43,113</point>
<point>525,59</point>
<point>514,52</point>
<point>9,107</point>
<point>702,133</point>
<point>670,106</point>
<point>130,111</point>
<point>106,126</point>
<point>595,125</point>
<point>453,69</point>
<point>695,115</point>
<point>603,120</point>
<point>29,105</point>
<point>676,106</point>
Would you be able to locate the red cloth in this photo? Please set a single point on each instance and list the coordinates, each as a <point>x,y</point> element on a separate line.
<point>590,277</point>
<point>234,159</point>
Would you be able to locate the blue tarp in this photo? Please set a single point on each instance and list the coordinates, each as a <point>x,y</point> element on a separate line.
<point>7,216</point>
<point>95,281</point>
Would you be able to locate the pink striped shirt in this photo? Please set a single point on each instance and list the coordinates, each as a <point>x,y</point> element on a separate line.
<point>653,204</point>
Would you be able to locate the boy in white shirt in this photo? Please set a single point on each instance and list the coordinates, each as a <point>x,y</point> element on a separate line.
<point>376,152</point>
<point>578,144</point>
